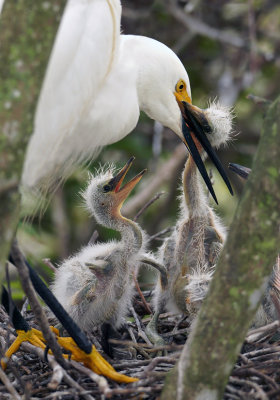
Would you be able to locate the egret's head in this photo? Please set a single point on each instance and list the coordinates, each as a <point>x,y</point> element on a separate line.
<point>104,195</point>
<point>164,94</point>
<point>203,129</point>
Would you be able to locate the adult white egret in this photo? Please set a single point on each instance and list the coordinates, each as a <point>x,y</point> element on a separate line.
<point>96,83</point>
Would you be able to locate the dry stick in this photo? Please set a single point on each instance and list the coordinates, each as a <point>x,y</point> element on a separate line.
<point>247,372</point>
<point>93,237</point>
<point>158,234</point>
<point>9,386</point>
<point>146,305</point>
<point>36,307</point>
<point>258,100</point>
<point>141,333</point>
<point>136,390</point>
<point>163,174</point>
<point>147,205</point>
<point>57,369</point>
<point>98,379</point>
<point>156,361</point>
<point>240,395</point>
<point>199,27</point>
<point>47,261</point>
<point>150,202</point>
<point>261,394</point>
<point>59,372</point>
<point>256,334</point>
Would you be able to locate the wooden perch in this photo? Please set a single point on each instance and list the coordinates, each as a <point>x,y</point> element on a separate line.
<point>240,279</point>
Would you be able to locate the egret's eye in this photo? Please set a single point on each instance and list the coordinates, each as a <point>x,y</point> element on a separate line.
<point>107,188</point>
<point>180,85</point>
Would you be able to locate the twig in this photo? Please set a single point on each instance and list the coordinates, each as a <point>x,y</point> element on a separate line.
<point>158,234</point>
<point>163,174</point>
<point>59,372</point>
<point>147,347</point>
<point>156,361</point>
<point>93,237</point>
<point>246,372</point>
<point>47,261</point>
<point>98,379</point>
<point>178,332</point>
<point>9,386</point>
<point>146,305</point>
<point>136,390</point>
<point>261,394</point>
<point>199,27</point>
<point>256,354</point>
<point>36,307</point>
<point>258,100</point>
<point>24,306</point>
<point>235,393</point>
<point>148,204</point>
<point>141,332</point>
<point>255,334</point>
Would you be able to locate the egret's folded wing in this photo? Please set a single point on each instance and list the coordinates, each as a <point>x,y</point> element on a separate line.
<point>83,55</point>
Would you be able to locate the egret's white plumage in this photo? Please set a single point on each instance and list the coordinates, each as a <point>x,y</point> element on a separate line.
<point>191,252</point>
<point>96,83</point>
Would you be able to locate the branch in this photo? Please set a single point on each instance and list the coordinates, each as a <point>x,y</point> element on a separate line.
<point>162,175</point>
<point>196,26</point>
<point>34,302</point>
<point>240,280</point>
<point>9,386</point>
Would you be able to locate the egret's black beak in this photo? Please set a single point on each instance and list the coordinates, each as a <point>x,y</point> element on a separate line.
<point>195,127</point>
<point>244,172</point>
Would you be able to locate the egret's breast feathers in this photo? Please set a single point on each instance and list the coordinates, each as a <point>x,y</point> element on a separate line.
<point>82,59</point>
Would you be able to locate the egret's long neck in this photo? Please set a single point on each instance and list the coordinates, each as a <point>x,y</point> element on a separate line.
<point>131,235</point>
<point>193,192</point>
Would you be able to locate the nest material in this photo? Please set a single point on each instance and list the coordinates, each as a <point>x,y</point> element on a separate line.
<point>255,376</point>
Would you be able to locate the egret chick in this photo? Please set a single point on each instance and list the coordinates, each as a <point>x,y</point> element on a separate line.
<point>191,252</point>
<point>96,285</point>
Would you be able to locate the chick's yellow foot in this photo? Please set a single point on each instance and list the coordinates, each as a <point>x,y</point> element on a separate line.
<point>32,336</point>
<point>93,361</point>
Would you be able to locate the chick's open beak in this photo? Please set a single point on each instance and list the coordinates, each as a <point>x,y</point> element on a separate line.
<point>195,127</point>
<point>121,193</point>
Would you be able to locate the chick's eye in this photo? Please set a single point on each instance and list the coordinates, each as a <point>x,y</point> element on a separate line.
<point>181,87</point>
<point>106,188</point>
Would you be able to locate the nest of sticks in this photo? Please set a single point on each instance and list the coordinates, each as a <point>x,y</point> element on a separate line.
<point>32,374</point>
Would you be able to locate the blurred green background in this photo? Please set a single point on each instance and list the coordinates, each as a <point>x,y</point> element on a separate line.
<point>230,50</point>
